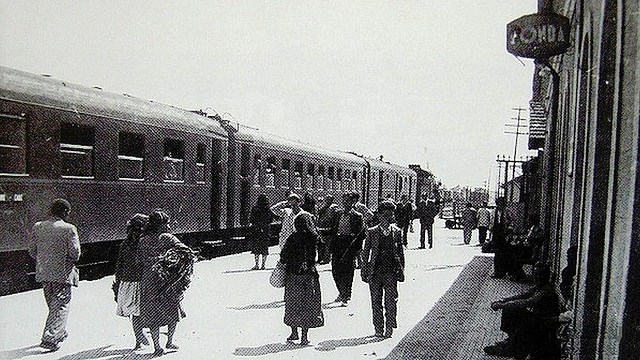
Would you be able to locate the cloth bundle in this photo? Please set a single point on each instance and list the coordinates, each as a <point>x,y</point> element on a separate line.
<point>175,268</point>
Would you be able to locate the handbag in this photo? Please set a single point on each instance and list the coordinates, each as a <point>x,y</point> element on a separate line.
<point>277,275</point>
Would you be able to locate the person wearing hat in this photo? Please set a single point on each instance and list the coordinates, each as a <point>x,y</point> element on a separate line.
<point>287,210</point>
<point>346,246</point>
<point>426,212</point>
<point>127,277</point>
<point>55,246</point>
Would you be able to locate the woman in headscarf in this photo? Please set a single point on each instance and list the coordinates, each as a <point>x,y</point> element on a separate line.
<point>302,295</point>
<point>159,304</point>
<point>260,220</point>
<point>128,276</point>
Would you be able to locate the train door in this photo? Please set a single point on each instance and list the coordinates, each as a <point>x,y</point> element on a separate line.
<point>217,149</point>
<point>380,183</point>
<point>245,184</point>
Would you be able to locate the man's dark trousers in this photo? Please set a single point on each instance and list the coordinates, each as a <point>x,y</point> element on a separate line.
<point>482,234</point>
<point>428,228</point>
<point>343,265</point>
<point>384,283</point>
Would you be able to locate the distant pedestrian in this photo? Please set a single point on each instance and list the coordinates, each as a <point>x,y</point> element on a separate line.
<point>128,274</point>
<point>309,203</point>
<point>55,246</point>
<point>404,216</point>
<point>287,210</point>
<point>346,246</point>
<point>327,228</point>
<point>302,296</point>
<point>260,223</point>
<point>159,305</point>
<point>469,222</point>
<point>383,268</point>
<point>426,212</point>
<point>484,222</point>
<point>367,217</point>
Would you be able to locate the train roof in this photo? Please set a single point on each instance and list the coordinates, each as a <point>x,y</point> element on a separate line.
<point>263,139</point>
<point>41,90</point>
<point>384,165</point>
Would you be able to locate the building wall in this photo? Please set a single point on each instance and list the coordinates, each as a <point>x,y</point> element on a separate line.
<point>595,202</point>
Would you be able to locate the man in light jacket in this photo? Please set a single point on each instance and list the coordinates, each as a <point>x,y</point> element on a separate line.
<point>55,246</point>
<point>383,268</point>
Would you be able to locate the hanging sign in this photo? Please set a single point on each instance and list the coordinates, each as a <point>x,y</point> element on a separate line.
<point>538,36</point>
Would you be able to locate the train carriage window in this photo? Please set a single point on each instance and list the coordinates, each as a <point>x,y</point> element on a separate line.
<point>13,145</point>
<point>130,156</point>
<point>310,176</point>
<point>76,150</point>
<point>330,177</point>
<point>286,167</point>
<point>354,181</point>
<point>257,180</point>
<point>297,175</point>
<point>400,178</point>
<point>320,180</point>
<point>270,172</point>
<point>173,160</point>
<point>201,150</point>
<point>339,179</point>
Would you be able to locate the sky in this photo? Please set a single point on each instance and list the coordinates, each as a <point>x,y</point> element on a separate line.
<point>420,82</point>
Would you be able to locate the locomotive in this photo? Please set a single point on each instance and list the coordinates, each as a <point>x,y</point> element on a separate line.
<point>112,155</point>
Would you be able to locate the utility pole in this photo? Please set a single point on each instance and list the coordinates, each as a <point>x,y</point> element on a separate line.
<point>519,123</point>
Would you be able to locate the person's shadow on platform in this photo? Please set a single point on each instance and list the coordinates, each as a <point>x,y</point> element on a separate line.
<point>266,349</point>
<point>21,352</point>
<point>330,345</point>
<point>103,352</point>
<point>271,305</point>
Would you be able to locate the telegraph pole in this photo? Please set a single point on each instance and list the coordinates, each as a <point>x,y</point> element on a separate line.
<point>517,132</point>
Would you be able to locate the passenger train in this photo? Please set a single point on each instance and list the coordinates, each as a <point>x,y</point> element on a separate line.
<point>113,155</point>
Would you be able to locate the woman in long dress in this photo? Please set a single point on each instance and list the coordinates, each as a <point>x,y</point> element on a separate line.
<point>128,276</point>
<point>157,306</point>
<point>303,300</point>
<point>261,217</point>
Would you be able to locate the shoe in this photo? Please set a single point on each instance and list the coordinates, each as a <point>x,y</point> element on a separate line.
<point>50,346</point>
<point>158,352</point>
<point>498,350</point>
<point>255,267</point>
<point>292,338</point>
<point>262,267</point>
<point>379,334</point>
<point>421,247</point>
<point>172,346</point>
<point>344,303</point>
<point>338,299</point>
<point>388,333</point>
<point>304,342</point>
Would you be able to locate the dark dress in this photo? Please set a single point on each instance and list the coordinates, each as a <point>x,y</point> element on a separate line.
<point>259,232</point>
<point>303,300</point>
<point>156,308</point>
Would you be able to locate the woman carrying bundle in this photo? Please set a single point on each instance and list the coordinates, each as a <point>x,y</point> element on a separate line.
<point>159,301</point>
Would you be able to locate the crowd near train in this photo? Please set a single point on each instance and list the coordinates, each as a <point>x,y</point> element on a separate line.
<point>114,155</point>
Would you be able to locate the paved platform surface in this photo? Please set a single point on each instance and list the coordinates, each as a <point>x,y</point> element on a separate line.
<point>234,313</point>
<point>461,324</point>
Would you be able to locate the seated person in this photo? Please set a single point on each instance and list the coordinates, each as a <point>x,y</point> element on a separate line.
<point>530,320</point>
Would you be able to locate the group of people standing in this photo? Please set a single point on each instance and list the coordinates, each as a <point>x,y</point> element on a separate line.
<point>152,272</point>
<point>337,234</point>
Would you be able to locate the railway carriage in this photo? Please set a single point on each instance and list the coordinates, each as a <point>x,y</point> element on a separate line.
<point>275,166</point>
<point>114,155</point>
<point>110,155</point>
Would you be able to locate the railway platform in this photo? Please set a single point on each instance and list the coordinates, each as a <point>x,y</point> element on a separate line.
<point>233,313</point>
